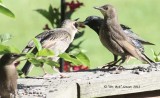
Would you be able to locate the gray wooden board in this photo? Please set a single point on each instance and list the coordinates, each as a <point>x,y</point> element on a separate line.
<point>93,83</point>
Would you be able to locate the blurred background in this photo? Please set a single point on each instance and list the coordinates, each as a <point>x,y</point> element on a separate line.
<point>141,15</point>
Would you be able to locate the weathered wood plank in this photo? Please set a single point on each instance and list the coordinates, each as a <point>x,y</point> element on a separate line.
<point>120,84</point>
<point>88,84</point>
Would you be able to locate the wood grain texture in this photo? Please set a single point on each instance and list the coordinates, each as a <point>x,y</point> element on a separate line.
<point>92,83</point>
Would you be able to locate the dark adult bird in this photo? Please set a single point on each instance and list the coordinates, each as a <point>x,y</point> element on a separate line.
<point>115,40</point>
<point>8,74</point>
<point>57,40</point>
<point>95,22</point>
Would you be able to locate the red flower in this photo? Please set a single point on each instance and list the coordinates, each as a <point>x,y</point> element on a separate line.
<point>66,66</point>
<point>72,5</point>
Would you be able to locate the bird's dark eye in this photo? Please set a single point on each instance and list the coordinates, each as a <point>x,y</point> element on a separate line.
<point>105,8</point>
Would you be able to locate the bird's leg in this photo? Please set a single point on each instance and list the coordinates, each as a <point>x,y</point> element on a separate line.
<point>119,68</point>
<point>123,60</point>
<point>112,62</point>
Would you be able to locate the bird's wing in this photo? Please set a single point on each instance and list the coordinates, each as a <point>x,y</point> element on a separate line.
<point>59,35</point>
<point>129,46</point>
<point>47,37</point>
<point>133,35</point>
<point>40,37</point>
<point>124,41</point>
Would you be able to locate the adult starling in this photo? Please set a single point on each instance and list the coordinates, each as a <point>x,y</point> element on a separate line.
<point>95,22</point>
<point>57,40</point>
<point>115,40</point>
<point>8,74</point>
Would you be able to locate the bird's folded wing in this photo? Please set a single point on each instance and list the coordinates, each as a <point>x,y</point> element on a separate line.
<point>47,37</point>
<point>40,37</point>
<point>126,43</point>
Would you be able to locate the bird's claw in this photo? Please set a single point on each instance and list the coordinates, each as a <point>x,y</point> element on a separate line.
<point>139,69</point>
<point>116,69</point>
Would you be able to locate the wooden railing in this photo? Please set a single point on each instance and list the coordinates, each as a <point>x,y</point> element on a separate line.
<point>93,83</point>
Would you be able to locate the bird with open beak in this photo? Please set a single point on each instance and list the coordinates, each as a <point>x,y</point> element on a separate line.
<point>115,40</point>
<point>8,74</point>
<point>95,22</point>
<point>57,40</point>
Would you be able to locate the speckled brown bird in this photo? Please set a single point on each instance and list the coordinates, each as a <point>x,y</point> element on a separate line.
<point>95,22</point>
<point>57,40</point>
<point>115,40</point>
<point>8,74</point>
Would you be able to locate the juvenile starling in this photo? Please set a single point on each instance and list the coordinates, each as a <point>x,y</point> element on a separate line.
<point>8,74</point>
<point>115,40</point>
<point>95,22</point>
<point>57,40</point>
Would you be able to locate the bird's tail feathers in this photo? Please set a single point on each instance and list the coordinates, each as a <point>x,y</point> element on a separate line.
<point>146,42</point>
<point>148,60</point>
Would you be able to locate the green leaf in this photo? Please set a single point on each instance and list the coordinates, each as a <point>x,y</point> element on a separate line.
<point>8,49</point>
<point>67,57</point>
<point>83,59</point>
<point>37,43</point>
<point>0,1</point>
<point>5,37</point>
<point>14,49</point>
<point>4,49</point>
<point>45,52</point>
<point>35,62</point>
<point>30,55</point>
<point>43,12</point>
<point>52,63</point>
<point>6,11</point>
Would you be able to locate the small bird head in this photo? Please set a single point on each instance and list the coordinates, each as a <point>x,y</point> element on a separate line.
<point>107,10</point>
<point>94,22</point>
<point>71,24</point>
<point>9,58</point>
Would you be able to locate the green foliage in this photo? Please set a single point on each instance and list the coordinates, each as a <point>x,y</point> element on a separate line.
<point>4,49</point>
<point>4,10</point>
<point>37,43</point>
<point>156,56</point>
<point>76,58</point>
<point>52,15</point>
<point>5,37</point>
<point>83,58</point>
<point>51,63</point>
<point>70,58</point>
<point>8,49</point>
<point>45,52</point>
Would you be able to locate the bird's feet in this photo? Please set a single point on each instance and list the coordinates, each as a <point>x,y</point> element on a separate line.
<point>116,69</point>
<point>113,69</point>
<point>108,65</point>
<point>139,70</point>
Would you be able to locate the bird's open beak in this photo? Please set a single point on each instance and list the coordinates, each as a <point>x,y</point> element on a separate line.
<point>81,24</point>
<point>98,8</point>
